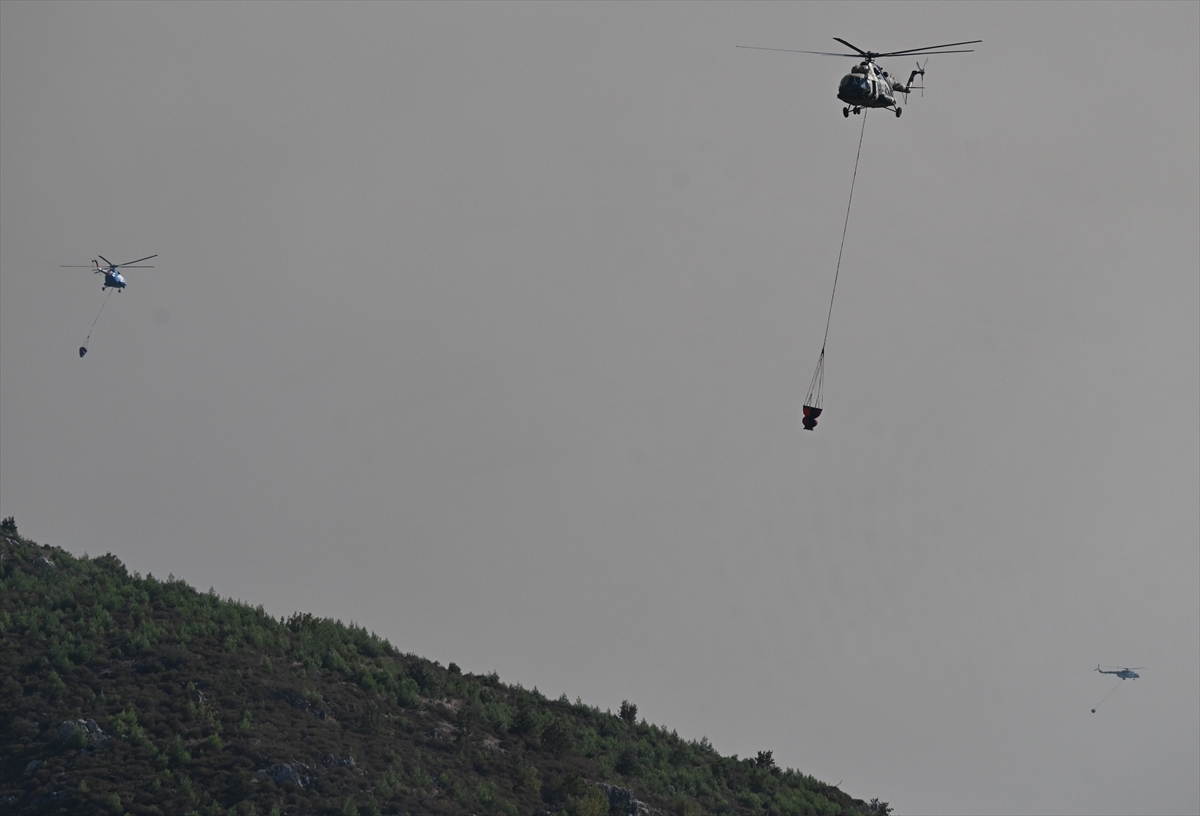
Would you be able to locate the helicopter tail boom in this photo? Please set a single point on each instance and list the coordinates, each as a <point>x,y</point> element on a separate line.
<point>908,87</point>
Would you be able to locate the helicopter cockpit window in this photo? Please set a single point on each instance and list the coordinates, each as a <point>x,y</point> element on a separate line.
<point>851,82</point>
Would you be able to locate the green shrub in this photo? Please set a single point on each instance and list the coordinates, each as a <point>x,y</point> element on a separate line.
<point>486,794</point>
<point>628,712</point>
<point>57,686</point>
<point>628,762</point>
<point>77,738</point>
<point>527,778</point>
<point>126,725</point>
<point>589,803</point>
<point>177,753</point>
<point>557,737</point>
<point>372,719</point>
<point>408,693</point>
<point>498,715</point>
<point>527,722</point>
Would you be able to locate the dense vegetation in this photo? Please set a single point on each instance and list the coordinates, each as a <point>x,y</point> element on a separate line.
<point>123,694</point>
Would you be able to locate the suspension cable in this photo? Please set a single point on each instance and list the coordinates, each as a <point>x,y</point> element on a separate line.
<point>818,379</point>
<point>83,348</point>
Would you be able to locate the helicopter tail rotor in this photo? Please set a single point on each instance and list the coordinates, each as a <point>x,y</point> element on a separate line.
<point>919,71</point>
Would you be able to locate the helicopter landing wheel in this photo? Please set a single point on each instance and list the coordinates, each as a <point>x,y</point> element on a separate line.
<point>846,112</point>
<point>897,111</point>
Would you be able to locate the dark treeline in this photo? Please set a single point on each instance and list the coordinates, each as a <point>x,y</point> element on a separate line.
<point>129,694</point>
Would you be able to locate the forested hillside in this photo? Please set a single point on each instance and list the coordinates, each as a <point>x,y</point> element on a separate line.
<point>129,694</point>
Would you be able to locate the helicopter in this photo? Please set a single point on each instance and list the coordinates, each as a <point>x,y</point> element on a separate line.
<point>1124,674</point>
<point>112,277</point>
<point>868,85</point>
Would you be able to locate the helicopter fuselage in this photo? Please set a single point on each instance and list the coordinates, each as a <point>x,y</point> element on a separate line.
<point>866,86</point>
<point>112,278</point>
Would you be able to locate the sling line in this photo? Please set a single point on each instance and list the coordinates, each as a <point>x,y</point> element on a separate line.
<point>812,403</point>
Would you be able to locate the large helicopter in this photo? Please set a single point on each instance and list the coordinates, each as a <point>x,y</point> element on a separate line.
<point>869,86</point>
<point>1124,674</point>
<point>112,277</point>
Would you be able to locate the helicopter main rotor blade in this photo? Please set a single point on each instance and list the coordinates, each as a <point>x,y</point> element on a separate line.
<point>794,51</point>
<point>76,266</point>
<point>927,48</point>
<point>854,47</point>
<point>139,260</point>
<point>107,261</point>
<point>923,53</point>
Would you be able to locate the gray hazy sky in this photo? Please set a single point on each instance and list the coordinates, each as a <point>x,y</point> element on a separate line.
<point>488,326</point>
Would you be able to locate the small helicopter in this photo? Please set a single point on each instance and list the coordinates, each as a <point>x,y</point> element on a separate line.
<point>1124,674</point>
<point>869,86</point>
<point>112,277</point>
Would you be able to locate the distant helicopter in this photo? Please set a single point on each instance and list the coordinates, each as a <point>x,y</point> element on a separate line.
<point>869,86</point>
<point>1124,674</point>
<point>112,278</point>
